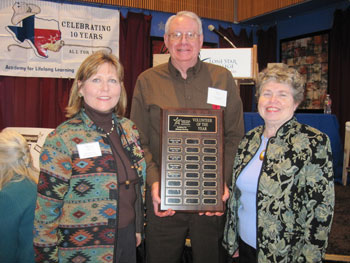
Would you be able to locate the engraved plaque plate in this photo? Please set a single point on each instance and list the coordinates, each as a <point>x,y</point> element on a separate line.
<point>192,160</point>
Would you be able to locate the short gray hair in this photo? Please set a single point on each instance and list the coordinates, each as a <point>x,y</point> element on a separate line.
<point>184,13</point>
<point>281,73</point>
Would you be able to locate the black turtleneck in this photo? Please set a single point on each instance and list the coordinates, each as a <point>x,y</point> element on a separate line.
<point>127,177</point>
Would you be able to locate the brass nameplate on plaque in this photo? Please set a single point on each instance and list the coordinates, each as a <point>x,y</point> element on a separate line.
<point>192,160</point>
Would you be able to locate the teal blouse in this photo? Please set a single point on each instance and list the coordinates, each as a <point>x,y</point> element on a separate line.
<point>17,205</point>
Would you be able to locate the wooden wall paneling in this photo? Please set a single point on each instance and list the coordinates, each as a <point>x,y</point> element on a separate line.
<point>251,8</point>
<point>213,9</point>
<point>244,9</point>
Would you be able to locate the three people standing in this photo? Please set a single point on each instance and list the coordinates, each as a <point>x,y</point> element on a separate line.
<point>92,167</point>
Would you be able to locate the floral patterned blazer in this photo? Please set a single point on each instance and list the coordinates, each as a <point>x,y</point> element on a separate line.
<point>295,194</point>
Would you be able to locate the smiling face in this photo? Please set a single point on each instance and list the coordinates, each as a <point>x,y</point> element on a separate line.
<point>276,103</point>
<point>102,90</point>
<point>184,51</point>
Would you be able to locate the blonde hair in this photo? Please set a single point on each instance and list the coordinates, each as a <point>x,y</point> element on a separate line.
<point>281,73</point>
<point>88,68</point>
<point>15,158</point>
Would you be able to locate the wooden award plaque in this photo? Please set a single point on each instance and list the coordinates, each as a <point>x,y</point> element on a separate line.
<point>192,177</point>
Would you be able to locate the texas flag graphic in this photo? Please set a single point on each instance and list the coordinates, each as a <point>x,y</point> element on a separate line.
<point>41,34</point>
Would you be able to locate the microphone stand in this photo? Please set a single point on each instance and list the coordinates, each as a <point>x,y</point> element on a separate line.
<point>212,29</point>
<point>229,41</point>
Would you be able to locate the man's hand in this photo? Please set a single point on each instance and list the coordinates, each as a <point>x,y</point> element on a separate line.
<point>156,202</point>
<point>138,239</point>
<point>225,196</point>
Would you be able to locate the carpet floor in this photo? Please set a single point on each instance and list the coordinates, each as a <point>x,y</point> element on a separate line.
<point>339,239</point>
<point>338,249</point>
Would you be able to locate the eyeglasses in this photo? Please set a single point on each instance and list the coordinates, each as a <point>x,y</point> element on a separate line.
<point>176,36</point>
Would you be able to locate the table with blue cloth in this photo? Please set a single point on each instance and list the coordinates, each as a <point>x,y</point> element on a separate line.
<point>326,123</point>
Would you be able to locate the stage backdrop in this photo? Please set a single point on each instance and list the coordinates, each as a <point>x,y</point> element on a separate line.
<point>47,39</point>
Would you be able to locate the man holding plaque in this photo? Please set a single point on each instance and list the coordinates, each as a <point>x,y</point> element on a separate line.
<point>184,82</point>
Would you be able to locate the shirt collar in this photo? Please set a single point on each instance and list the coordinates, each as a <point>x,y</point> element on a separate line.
<point>191,72</point>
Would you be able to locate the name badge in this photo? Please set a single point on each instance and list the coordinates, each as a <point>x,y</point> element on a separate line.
<point>217,97</point>
<point>88,150</point>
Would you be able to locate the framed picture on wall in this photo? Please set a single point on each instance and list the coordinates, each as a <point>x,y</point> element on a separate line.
<point>309,55</point>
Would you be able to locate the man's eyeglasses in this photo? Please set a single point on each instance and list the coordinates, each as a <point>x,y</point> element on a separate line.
<point>190,36</point>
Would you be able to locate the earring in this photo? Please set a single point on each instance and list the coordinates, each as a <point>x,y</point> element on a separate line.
<point>80,95</point>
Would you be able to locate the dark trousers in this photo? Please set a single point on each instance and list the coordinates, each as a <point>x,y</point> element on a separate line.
<point>126,245</point>
<point>247,254</point>
<point>165,237</point>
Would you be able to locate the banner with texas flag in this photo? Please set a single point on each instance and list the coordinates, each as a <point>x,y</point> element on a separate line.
<point>49,39</point>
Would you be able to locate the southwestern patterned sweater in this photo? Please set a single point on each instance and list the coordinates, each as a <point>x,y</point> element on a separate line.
<point>77,204</point>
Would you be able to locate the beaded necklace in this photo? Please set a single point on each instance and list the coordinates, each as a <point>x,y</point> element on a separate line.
<point>112,129</point>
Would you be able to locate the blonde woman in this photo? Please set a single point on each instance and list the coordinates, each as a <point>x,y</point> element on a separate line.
<point>17,199</point>
<point>92,169</point>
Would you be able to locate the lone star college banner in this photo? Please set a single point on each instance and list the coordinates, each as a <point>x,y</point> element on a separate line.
<point>47,39</point>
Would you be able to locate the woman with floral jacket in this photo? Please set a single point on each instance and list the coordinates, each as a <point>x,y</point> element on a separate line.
<point>282,195</point>
<point>89,203</point>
